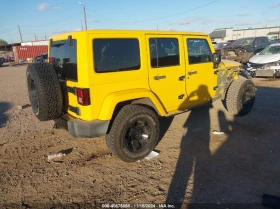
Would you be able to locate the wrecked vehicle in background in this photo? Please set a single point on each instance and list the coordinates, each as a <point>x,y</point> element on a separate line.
<point>219,47</point>
<point>243,49</point>
<point>2,60</point>
<point>266,63</point>
<point>41,58</point>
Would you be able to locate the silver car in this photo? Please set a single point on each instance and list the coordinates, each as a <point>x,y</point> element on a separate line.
<point>266,63</point>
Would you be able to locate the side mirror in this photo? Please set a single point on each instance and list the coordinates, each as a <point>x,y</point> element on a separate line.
<point>216,59</point>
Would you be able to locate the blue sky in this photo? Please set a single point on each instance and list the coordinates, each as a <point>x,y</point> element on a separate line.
<point>46,18</point>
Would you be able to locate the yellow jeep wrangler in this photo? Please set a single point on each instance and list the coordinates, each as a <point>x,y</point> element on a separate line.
<point>118,83</point>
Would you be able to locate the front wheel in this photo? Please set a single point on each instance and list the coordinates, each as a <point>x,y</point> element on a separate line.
<point>134,133</point>
<point>240,97</point>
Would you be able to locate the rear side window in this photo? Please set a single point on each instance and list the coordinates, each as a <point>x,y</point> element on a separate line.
<point>113,55</point>
<point>198,51</point>
<point>164,52</point>
<point>65,59</point>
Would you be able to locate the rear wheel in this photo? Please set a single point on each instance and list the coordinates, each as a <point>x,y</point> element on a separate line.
<point>240,97</point>
<point>134,133</point>
<point>45,93</point>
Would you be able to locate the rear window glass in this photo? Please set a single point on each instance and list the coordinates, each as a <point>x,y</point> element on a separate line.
<point>113,55</point>
<point>65,59</point>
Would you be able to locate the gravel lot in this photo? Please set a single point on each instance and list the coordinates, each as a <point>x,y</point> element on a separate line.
<point>194,165</point>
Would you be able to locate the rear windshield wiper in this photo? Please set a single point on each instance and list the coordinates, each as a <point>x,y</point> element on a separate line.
<point>58,44</point>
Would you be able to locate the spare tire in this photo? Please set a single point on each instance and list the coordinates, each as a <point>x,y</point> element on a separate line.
<point>44,91</point>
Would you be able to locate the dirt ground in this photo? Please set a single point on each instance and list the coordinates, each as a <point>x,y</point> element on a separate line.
<point>194,165</point>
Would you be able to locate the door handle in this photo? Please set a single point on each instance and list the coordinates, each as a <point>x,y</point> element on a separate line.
<point>192,73</point>
<point>181,78</point>
<point>158,77</point>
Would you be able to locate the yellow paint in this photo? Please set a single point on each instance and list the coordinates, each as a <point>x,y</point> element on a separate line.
<point>108,89</point>
<point>200,86</point>
<point>113,99</point>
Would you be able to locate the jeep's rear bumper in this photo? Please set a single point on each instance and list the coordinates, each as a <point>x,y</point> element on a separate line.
<point>80,128</point>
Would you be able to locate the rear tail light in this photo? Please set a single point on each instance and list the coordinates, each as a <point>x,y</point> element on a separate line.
<point>51,59</point>
<point>83,96</point>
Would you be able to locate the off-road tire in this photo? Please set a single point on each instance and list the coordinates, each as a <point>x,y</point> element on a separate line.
<point>41,77</point>
<point>245,75</point>
<point>235,101</point>
<point>115,139</point>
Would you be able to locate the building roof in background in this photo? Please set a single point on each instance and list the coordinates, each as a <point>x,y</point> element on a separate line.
<point>273,33</point>
<point>251,28</point>
<point>218,34</point>
<point>35,43</point>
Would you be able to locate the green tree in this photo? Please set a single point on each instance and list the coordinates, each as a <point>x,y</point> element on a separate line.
<point>3,42</point>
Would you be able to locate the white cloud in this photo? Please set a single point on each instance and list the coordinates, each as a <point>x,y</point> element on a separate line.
<point>59,32</point>
<point>243,15</point>
<point>274,19</point>
<point>188,21</point>
<point>171,29</point>
<point>43,6</point>
<point>247,23</point>
<point>275,5</point>
<point>207,22</point>
<point>245,6</point>
<point>56,8</point>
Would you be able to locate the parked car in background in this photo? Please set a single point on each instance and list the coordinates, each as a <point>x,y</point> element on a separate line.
<point>229,42</point>
<point>41,58</point>
<point>214,42</point>
<point>266,63</point>
<point>243,49</point>
<point>219,47</point>
<point>275,41</point>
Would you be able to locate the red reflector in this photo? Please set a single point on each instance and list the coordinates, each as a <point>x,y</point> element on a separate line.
<point>51,59</point>
<point>83,96</point>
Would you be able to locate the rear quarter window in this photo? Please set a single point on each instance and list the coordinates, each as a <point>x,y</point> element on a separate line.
<point>116,54</point>
<point>65,59</point>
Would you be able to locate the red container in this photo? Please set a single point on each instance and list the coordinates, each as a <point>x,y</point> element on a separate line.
<point>24,52</point>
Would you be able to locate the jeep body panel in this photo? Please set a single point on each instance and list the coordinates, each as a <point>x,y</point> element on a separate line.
<point>164,81</point>
<point>227,72</point>
<point>201,79</point>
<point>70,97</point>
<point>111,101</point>
<point>169,88</point>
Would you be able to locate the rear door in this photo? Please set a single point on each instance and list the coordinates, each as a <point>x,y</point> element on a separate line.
<point>63,56</point>
<point>201,77</point>
<point>167,69</point>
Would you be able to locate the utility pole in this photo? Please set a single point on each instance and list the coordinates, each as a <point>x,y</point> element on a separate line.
<point>35,36</point>
<point>20,33</point>
<point>45,37</point>
<point>85,17</point>
<point>82,25</point>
